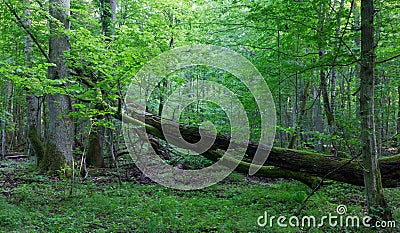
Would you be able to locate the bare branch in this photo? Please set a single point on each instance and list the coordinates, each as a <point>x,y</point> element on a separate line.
<point>388,59</point>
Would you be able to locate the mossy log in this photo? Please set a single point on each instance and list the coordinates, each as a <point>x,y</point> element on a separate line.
<point>268,171</point>
<point>306,163</point>
<point>243,166</point>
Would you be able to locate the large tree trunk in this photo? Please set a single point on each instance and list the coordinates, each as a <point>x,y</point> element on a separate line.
<point>376,202</point>
<point>58,153</point>
<point>311,164</point>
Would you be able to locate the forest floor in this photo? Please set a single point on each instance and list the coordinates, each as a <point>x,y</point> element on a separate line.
<point>32,202</point>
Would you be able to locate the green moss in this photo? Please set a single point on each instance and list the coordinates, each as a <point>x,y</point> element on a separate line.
<point>53,160</point>
<point>390,159</point>
<point>36,143</point>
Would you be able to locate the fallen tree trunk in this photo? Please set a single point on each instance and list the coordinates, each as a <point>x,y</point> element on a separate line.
<point>307,163</point>
<point>153,125</point>
<point>303,162</point>
<point>243,166</point>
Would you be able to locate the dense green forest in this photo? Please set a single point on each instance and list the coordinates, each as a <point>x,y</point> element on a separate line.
<point>199,116</point>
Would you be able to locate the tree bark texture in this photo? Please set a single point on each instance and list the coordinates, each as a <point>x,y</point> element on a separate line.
<point>377,205</point>
<point>59,142</point>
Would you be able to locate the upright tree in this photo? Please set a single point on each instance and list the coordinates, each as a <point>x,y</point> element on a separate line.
<point>95,153</point>
<point>59,141</point>
<point>32,101</point>
<point>376,202</point>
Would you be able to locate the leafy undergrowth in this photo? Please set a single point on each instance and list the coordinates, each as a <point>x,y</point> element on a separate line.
<point>31,202</point>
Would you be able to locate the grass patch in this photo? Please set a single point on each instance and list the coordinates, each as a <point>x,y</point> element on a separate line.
<point>37,203</point>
